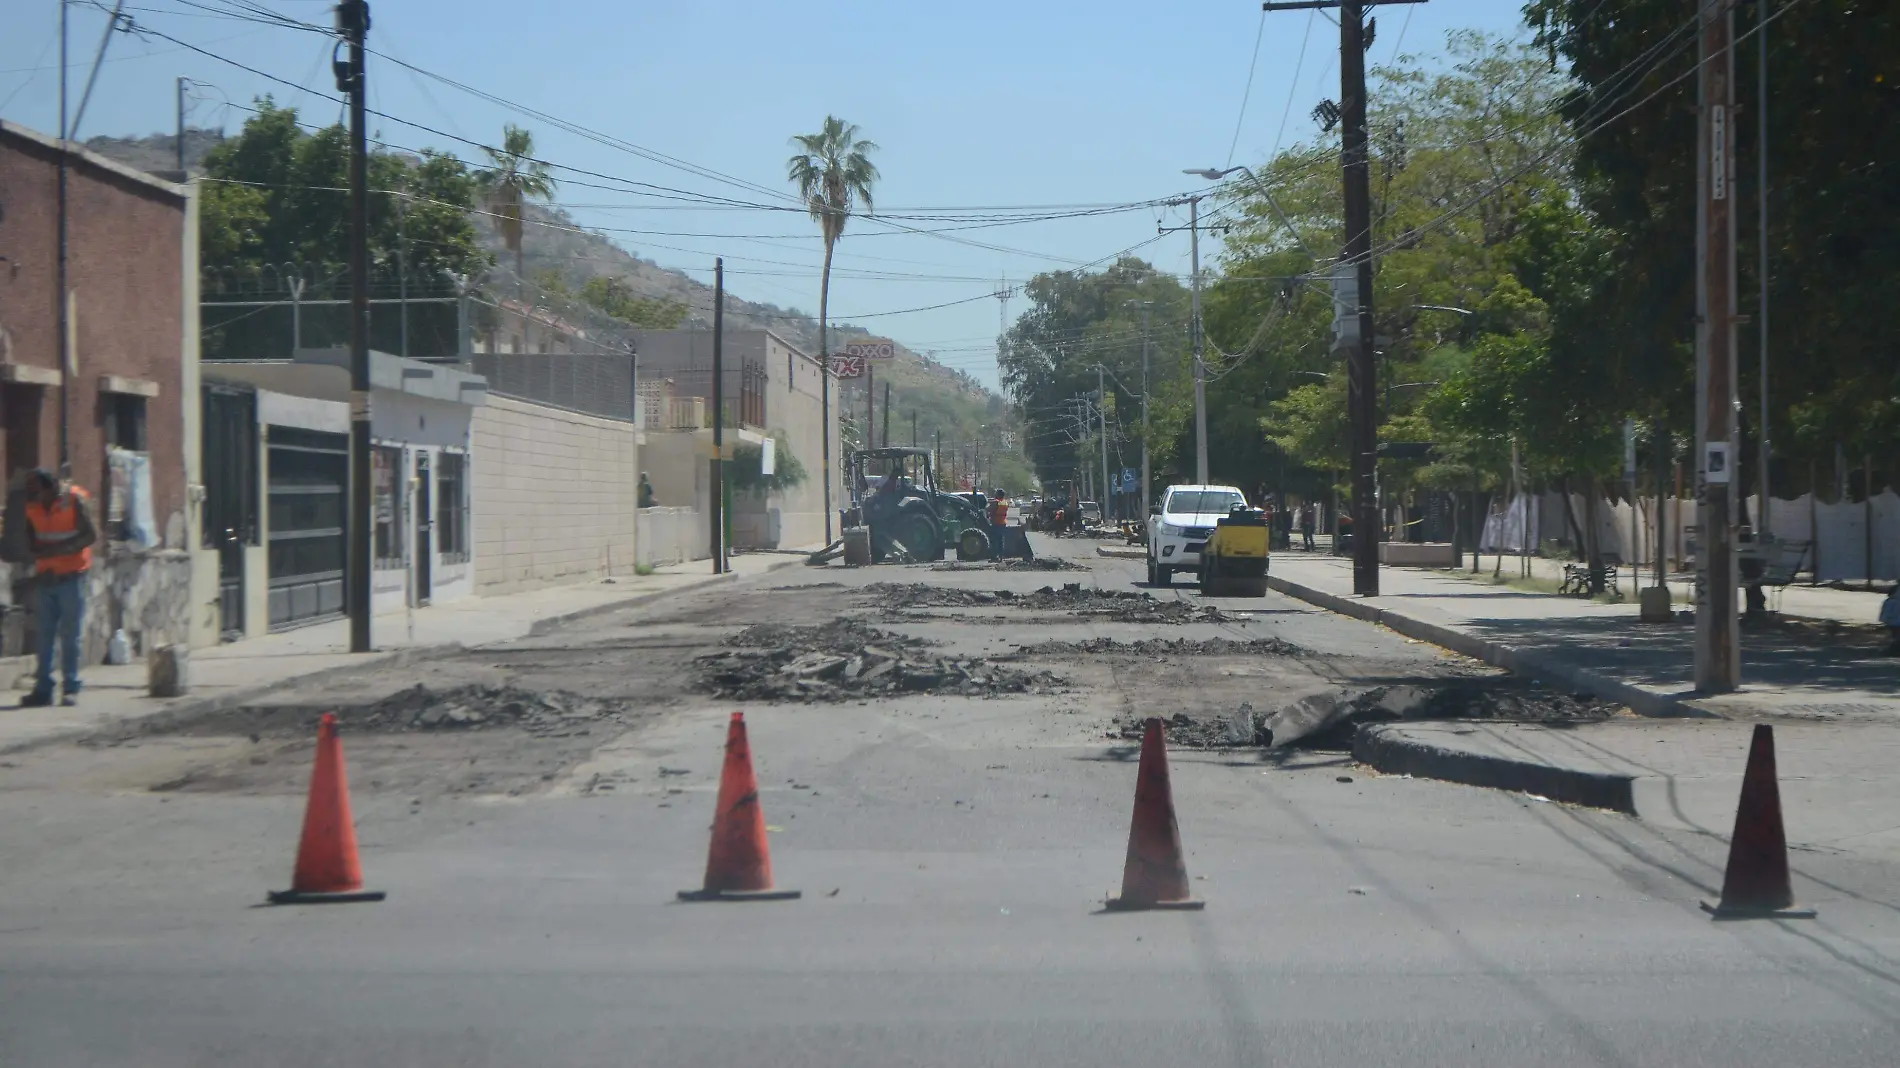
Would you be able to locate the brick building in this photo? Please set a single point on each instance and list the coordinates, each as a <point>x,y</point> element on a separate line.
<point>128,375</point>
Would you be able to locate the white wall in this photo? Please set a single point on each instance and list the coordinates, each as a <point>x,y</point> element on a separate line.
<point>554,496</point>
<point>672,536</point>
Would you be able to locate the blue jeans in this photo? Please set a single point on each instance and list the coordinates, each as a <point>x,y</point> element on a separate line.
<point>62,610</point>
<point>999,539</point>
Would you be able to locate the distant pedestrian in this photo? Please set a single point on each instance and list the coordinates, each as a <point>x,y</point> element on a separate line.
<point>60,536</point>
<point>1890,618</point>
<point>999,524</point>
<point>646,491</point>
<point>1307,522</point>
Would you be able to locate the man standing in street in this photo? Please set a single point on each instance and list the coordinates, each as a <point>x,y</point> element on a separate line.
<point>1306,526</point>
<point>999,524</point>
<point>60,534</point>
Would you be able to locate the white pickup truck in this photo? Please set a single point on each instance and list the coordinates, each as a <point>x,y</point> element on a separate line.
<point>1181,525</point>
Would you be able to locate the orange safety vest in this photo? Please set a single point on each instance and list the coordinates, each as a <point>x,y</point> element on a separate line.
<point>999,513</point>
<point>56,525</point>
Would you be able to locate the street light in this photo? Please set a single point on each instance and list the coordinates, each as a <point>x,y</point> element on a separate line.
<point>1214,174</point>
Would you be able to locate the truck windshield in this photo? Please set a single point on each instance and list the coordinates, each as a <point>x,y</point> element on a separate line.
<point>1205,502</point>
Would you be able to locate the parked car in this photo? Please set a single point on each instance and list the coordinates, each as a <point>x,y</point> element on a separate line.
<point>1180,525</point>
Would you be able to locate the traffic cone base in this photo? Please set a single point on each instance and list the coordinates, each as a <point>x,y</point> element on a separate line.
<point>1755,885</point>
<point>740,895</point>
<point>1718,911</point>
<point>1154,876</point>
<point>1122,904</point>
<point>299,897</point>
<point>739,861</point>
<point>327,872</point>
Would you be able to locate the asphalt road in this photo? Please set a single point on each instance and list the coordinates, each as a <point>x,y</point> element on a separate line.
<point>953,854</point>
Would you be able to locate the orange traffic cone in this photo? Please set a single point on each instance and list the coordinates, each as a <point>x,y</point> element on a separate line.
<point>327,868</point>
<point>739,863</point>
<point>1756,884</point>
<point>1155,875</point>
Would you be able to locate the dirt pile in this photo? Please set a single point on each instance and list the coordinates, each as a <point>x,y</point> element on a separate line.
<point>1328,721</point>
<point>1119,606</point>
<point>845,659</point>
<point>1240,727</point>
<point>1040,563</point>
<point>551,713</point>
<point>1164,647</point>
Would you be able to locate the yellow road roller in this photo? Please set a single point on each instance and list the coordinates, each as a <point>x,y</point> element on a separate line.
<point>1234,560</point>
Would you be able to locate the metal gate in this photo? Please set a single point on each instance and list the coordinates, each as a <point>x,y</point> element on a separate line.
<point>309,476</point>
<point>230,471</point>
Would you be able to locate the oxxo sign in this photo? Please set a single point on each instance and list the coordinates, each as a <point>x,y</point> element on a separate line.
<point>872,348</point>
<point>847,367</point>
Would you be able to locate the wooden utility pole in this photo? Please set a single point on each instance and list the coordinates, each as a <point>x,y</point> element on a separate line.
<point>717,510</point>
<point>352,21</point>
<point>870,405</point>
<point>887,415</point>
<point>1362,404</point>
<point>1717,642</point>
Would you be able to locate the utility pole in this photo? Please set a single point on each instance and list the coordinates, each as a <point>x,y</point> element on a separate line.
<point>1101,411</point>
<point>1761,208</point>
<point>719,418</point>
<point>1200,357</point>
<point>182,82</point>
<point>870,405</point>
<point>1717,645</point>
<point>887,415</point>
<point>352,22</point>
<point>1362,406</point>
<point>1194,332</point>
<point>63,297</point>
<point>1145,348</point>
<point>913,429</point>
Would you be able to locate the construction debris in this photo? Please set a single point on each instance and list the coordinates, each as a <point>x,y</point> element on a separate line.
<point>1040,563</point>
<point>1119,606</point>
<point>846,659</point>
<point>1161,647</point>
<point>552,713</point>
<point>1241,726</point>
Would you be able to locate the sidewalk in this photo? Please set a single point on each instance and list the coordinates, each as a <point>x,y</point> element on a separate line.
<point>1838,791</point>
<point>241,671</point>
<point>1850,606</point>
<point>1602,649</point>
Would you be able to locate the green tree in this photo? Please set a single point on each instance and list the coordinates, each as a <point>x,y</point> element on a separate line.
<point>611,296</point>
<point>514,178</point>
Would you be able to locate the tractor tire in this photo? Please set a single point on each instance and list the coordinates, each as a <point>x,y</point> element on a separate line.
<point>919,535</point>
<point>1164,576</point>
<point>973,544</point>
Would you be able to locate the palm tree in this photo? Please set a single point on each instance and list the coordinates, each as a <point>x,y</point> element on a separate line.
<point>515,177</point>
<point>834,174</point>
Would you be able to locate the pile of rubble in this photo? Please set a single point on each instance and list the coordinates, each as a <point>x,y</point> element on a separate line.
<point>1329,720</point>
<point>1162,647</point>
<point>846,659</point>
<point>1241,727</point>
<point>1040,563</point>
<point>552,713</point>
<point>1120,606</point>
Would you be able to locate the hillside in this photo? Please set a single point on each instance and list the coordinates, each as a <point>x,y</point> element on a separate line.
<point>946,402</point>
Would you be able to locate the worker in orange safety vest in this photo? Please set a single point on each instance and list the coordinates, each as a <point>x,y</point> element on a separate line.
<point>60,537</point>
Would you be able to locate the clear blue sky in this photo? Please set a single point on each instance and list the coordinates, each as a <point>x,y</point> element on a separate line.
<point>973,104</point>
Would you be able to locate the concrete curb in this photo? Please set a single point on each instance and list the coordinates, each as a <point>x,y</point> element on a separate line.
<point>1121,553</point>
<point>189,708</point>
<point>1643,702</point>
<point>1384,747</point>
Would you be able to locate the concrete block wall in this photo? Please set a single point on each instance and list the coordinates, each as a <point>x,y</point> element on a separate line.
<point>554,496</point>
<point>673,536</point>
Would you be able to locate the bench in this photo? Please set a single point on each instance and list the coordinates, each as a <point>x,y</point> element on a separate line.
<point>1773,562</point>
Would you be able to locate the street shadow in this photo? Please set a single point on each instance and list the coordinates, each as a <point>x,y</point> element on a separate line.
<point>1663,656</point>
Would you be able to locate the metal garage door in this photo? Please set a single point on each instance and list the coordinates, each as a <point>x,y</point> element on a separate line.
<point>309,474</point>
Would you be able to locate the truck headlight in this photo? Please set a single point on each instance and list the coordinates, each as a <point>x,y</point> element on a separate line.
<point>1169,530</point>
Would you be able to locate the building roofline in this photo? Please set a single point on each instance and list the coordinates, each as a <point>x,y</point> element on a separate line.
<point>94,159</point>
